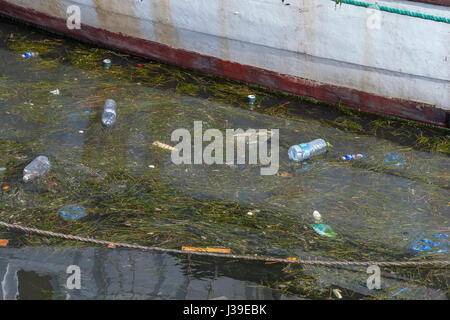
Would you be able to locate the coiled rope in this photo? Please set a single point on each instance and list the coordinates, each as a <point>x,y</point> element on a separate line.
<point>228,256</point>
<point>394,10</point>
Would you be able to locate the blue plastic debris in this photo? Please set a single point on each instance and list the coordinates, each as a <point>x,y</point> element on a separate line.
<point>30,54</point>
<point>353,156</point>
<point>72,212</point>
<point>431,243</point>
<point>394,160</point>
<point>324,230</point>
<point>399,291</point>
<point>306,167</point>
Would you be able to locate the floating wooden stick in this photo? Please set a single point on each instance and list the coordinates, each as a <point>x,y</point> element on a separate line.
<point>217,250</point>
<point>164,146</point>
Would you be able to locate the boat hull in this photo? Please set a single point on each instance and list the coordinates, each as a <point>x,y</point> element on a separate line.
<point>382,71</point>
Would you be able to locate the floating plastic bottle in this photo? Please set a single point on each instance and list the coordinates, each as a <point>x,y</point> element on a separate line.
<point>303,151</point>
<point>30,54</point>
<point>109,113</point>
<point>38,167</point>
<point>431,243</point>
<point>353,156</point>
<point>72,212</point>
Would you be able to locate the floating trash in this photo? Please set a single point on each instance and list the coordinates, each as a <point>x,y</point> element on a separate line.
<point>3,242</point>
<point>251,98</point>
<point>394,160</point>
<point>164,146</point>
<point>27,55</point>
<point>109,113</point>
<point>306,167</point>
<point>399,291</point>
<point>353,156</point>
<point>291,258</point>
<point>317,216</point>
<point>324,230</point>
<point>303,151</point>
<point>55,92</point>
<point>106,63</point>
<point>2,170</point>
<point>214,250</point>
<point>431,243</point>
<point>4,188</point>
<point>38,167</point>
<point>337,293</point>
<point>72,212</point>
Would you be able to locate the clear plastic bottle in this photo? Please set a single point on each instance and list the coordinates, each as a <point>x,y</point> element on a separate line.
<point>109,113</point>
<point>38,167</point>
<point>303,151</point>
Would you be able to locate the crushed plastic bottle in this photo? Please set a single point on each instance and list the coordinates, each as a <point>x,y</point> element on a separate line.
<point>37,168</point>
<point>431,243</point>
<point>27,55</point>
<point>303,151</point>
<point>72,212</point>
<point>353,156</point>
<point>109,113</point>
<point>324,230</point>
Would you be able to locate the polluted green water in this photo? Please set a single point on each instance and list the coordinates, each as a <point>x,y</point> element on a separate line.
<point>131,191</point>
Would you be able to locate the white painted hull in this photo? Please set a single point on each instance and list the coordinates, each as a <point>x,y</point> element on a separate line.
<point>406,58</point>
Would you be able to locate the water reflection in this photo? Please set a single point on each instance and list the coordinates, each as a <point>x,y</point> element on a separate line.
<point>40,273</point>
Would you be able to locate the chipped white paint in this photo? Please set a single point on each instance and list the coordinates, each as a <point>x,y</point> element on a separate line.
<point>406,58</point>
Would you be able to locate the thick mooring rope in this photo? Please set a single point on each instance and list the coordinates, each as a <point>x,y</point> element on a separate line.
<point>394,10</point>
<point>228,256</point>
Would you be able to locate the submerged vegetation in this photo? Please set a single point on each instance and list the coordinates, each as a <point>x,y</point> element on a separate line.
<point>134,193</point>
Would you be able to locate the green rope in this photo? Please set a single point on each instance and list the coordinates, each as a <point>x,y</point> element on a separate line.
<point>393,10</point>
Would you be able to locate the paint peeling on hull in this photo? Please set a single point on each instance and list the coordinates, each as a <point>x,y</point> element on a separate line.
<point>168,48</point>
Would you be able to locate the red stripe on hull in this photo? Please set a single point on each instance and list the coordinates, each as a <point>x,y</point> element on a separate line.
<point>351,98</point>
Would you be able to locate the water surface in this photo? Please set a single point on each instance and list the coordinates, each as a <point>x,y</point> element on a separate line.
<point>134,193</point>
